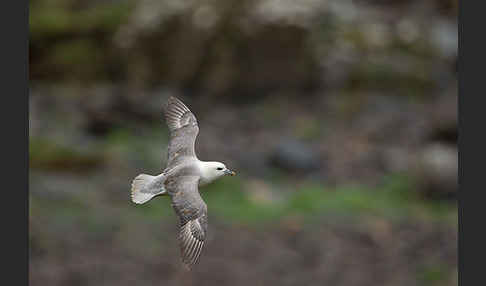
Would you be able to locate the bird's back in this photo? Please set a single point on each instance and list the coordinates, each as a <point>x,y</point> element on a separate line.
<point>186,166</point>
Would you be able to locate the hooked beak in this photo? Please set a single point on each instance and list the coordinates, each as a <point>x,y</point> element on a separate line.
<point>229,172</point>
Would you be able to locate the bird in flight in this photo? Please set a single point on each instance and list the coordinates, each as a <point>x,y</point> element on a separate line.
<point>181,180</point>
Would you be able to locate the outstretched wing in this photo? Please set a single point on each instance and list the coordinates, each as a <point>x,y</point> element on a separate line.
<point>183,130</point>
<point>192,213</point>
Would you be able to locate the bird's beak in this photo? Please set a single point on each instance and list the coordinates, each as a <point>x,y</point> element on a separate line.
<point>229,172</point>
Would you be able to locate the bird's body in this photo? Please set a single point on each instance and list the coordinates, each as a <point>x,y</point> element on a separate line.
<point>180,180</point>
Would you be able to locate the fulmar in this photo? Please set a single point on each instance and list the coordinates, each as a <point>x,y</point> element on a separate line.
<point>180,180</point>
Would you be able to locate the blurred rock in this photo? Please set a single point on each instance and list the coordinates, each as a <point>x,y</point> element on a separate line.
<point>294,156</point>
<point>444,36</point>
<point>443,120</point>
<point>408,31</point>
<point>241,47</point>
<point>438,171</point>
<point>218,47</point>
<point>391,119</point>
<point>396,159</point>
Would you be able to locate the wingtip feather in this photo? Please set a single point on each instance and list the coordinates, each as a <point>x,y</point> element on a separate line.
<point>191,246</point>
<point>174,111</point>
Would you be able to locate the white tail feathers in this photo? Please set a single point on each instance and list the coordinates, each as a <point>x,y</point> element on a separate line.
<point>142,189</point>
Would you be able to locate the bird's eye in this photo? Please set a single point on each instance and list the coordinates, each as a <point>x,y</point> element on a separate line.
<point>219,168</point>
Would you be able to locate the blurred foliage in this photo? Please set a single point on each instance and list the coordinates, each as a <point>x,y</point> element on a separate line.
<point>67,37</point>
<point>49,155</point>
<point>393,200</point>
<point>58,18</point>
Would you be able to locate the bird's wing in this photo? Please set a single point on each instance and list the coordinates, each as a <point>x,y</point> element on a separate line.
<point>183,130</point>
<point>192,213</point>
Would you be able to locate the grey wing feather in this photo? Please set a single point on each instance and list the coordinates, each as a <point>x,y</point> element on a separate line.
<point>183,130</point>
<point>192,213</point>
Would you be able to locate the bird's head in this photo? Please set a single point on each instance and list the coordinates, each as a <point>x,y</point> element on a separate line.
<point>214,170</point>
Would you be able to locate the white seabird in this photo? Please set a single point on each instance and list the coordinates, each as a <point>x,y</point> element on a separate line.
<point>180,180</point>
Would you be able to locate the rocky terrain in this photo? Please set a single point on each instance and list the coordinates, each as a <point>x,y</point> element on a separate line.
<point>340,118</point>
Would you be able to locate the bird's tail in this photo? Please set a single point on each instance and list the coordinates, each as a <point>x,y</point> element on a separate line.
<point>145,187</point>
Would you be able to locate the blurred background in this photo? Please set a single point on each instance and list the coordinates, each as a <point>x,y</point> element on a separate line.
<point>339,116</point>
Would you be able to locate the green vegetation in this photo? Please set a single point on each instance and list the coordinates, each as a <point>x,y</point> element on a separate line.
<point>435,274</point>
<point>227,199</point>
<point>50,18</point>
<point>45,154</point>
<point>67,37</point>
<point>236,200</point>
<point>395,199</point>
<point>414,82</point>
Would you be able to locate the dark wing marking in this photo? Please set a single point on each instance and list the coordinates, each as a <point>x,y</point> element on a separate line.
<point>183,129</point>
<point>192,213</point>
